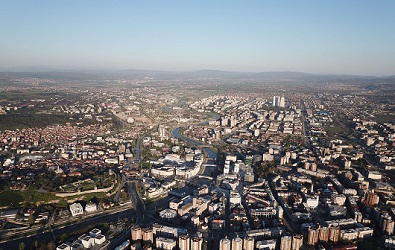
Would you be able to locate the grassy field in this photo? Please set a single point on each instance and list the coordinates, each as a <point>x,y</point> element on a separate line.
<point>29,118</point>
<point>11,198</point>
<point>384,118</point>
<point>17,95</point>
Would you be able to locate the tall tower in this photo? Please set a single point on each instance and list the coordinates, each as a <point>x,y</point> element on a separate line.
<point>297,242</point>
<point>136,233</point>
<point>196,243</point>
<point>224,244</point>
<point>286,243</point>
<point>249,243</point>
<point>237,243</point>
<point>148,235</point>
<point>282,102</point>
<point>183,242</point>
<point>161,131</point>
<point>275,101</point>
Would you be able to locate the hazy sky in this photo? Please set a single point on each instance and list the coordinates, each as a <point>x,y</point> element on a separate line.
<point>337,36</point>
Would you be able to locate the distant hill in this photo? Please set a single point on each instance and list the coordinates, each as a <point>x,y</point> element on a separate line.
<point>284,76</point>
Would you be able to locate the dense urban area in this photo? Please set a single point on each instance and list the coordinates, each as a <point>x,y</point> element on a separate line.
<point>191,163</point>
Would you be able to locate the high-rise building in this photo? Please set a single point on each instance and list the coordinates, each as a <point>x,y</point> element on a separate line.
<point>324,234</point>
<point>224,244</point>
<point>275,101</point>
<point>237,243</point>
<point>371,199</point>
<point>297,242</point>
<point>286,243</point>
<point>148,235</point>
<point>136,233</point>
<point>279,101</point>
<point>282,102</point>
<point>334,233</point>
<point>196,243</point>
<point>183,242</point>
<point>165,243</point>
<point>388,226</point>
<point>312,236</point>
<point>161,131</point>
<point>248,243</point>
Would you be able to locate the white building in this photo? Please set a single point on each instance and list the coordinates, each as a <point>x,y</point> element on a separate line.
<point>224,244</point>
<point>87,241</point>
<point>234,197</point>
<point>165,243</point>
<point>237,243</point>
<point>196,243</point>
<point>312,202</point>
<point>168,213</point>
<point>90,207</point>
<point>63,247</point>
<point>76,209</point>
<point>374,175</point>
<point>99,239</point>
<point>183,242</point>
<point>266,244</point>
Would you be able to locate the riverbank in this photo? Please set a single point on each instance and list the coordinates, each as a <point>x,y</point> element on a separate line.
<point>210,152</point>
<point>47,236</point>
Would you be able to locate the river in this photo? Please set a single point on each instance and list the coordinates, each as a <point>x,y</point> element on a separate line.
<point>176,133</point>
<point>47,237</point>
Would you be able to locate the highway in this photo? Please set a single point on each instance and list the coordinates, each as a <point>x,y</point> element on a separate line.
<point>306,125</point>
<point>138,203</point>
<point>45,235</point>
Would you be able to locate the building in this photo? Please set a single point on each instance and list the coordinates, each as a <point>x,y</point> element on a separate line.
<point>224,244</point>
<point>76,209</point>
<point>249,177</point>
<point>161,131</point>
<point>278,101</point>
<point>136,233</point>
<point>86,241</point>
<point>266,244</point>
<point>99,239</point>
<point>184,242</point>
<point>286,243</point>
<point>237,243</point>
<point>312,236</point>
<point>63,247</point>
<point>196,243</point>
<point>147,235</point>
<point>371,199</point>
<point>164,231</point>
<point>91,207</point>
<point>388,226</point>
<point>165,243</point>
<point>297,242</point>
<point>234,198</point>
<point>168,214</point>
<point>323,234</point>
<point>267,212</point>
<point>249,243</point>
<point>184,209</point>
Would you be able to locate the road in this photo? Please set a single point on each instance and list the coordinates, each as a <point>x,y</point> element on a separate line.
<point>47,236</point>
<point>138,203</point>
<point>306,125</point>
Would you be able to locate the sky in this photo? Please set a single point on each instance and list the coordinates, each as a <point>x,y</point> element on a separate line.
<point>337,36</point>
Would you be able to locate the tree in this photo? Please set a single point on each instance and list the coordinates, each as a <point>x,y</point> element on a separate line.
<point>22,246</point>
<point>51,245</point>
<point>31,219</point>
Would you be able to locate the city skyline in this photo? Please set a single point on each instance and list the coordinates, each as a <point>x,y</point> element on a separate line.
<point>353,37</point>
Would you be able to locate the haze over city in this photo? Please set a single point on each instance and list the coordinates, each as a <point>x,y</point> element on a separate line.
<point>197,125</point>
<point>332,37</point>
